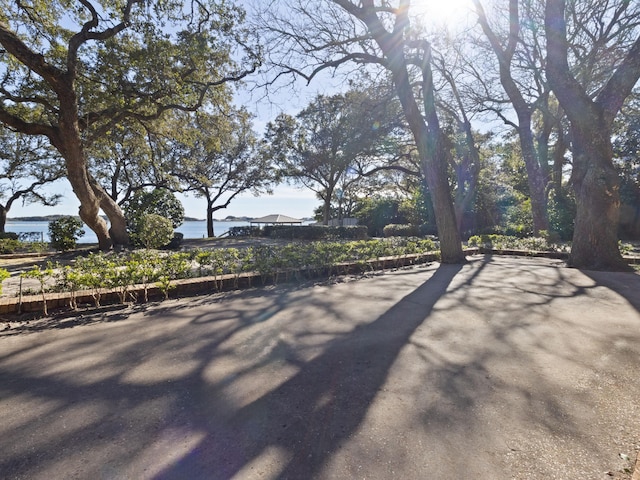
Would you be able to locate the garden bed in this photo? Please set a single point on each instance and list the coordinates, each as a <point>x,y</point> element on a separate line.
<point>100,279</point>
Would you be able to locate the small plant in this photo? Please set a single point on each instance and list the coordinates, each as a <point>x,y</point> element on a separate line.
<point>4,274</point>
<point>625,248</point>
<point>42,275</point>
<point>69,280</point>
<point>65,232</point>
<point>145,265</point>
<point>92,274</point>
<point>172,267</point>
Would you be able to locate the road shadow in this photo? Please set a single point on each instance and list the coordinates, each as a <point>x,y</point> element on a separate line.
<point>323,404</point>
<point>257,383</point>
<point>625,284</point>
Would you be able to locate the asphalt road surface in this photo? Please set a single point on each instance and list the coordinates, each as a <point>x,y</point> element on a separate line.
<point>503,368</point>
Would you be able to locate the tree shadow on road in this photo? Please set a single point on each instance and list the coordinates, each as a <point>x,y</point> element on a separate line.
<point>247,380</point>
<point>624,284</point>
<point>325,401</point>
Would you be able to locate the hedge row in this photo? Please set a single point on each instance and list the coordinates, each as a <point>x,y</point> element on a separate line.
<point>301,232</point>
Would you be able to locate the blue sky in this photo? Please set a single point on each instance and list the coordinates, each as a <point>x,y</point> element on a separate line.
<point>287,200</point>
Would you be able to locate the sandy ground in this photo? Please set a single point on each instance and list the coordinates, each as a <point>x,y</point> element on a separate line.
<point>503,368</point>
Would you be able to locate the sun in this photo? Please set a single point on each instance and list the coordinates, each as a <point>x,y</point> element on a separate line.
<point>441,12</point>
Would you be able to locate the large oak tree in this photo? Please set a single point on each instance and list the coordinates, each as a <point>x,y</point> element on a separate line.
<point>71,71</point>
<point>594,178</point>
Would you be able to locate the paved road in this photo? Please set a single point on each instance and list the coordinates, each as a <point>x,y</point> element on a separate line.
<point>504,368</point>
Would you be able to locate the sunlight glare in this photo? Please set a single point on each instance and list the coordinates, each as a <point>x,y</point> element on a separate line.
<point>441,12</point>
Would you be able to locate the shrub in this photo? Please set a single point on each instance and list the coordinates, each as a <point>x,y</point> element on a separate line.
<point>175,242</point>
<point>352,232</point>
<point>65,232</point>
<point>625,248</point>
<point>428,229</point>
<point>30,236</point>
<point>400,230</point>
<point>9,245</point>
<point>154,231</point>
<point>159,202</point>
<point>9,235</point>
<point>316,232</point>
<point>505,242</point>
<point>245,231</point>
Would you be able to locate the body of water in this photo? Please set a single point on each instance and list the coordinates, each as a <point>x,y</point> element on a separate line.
<point>190,229</point>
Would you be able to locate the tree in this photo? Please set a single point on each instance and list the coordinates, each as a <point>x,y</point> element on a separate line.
<point>594,178</point>
<point>26,166</point>
<point>129,158</point>
<point>82,69</point>
<point>332,34</point>
<point>330,140</point>
<point>517,90</point>
<point>222,160</point>
<point>627,161</point>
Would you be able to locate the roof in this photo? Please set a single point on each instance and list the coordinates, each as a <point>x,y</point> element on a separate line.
<point>276,218</point>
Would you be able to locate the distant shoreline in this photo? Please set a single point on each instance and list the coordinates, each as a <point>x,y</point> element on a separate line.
<point>48,218</point>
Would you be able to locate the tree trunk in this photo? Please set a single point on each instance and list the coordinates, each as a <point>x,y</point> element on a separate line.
<point>535,177</point>
<point>89,203</point>
<point>433,159</point>
<point>326,207</point>
<point>433,163</point>
<point>505,55</point>
<point>467,173</point>
<point>558,161</point>
<point>425,132</point>
<point>210,210</point>
<point>3,218</point>
<point>69,144</point>
<point>435,175</point>
<point>118,230</point>
<point>594,178</point>
<point>596,185</point>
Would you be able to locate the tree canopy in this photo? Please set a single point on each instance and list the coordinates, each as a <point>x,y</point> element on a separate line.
<point>72,72</point>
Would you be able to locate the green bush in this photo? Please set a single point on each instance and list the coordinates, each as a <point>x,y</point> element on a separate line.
<point>9,245</point>
<point>315,232</point>
<point>65,232</point>
<point>428,229</point>
<point>159,202</point>
<point>506,242</point>
<point>154,231</point>
<point>400,230</point>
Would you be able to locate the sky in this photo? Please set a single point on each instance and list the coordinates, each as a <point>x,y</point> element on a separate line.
<point>287,200</point>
